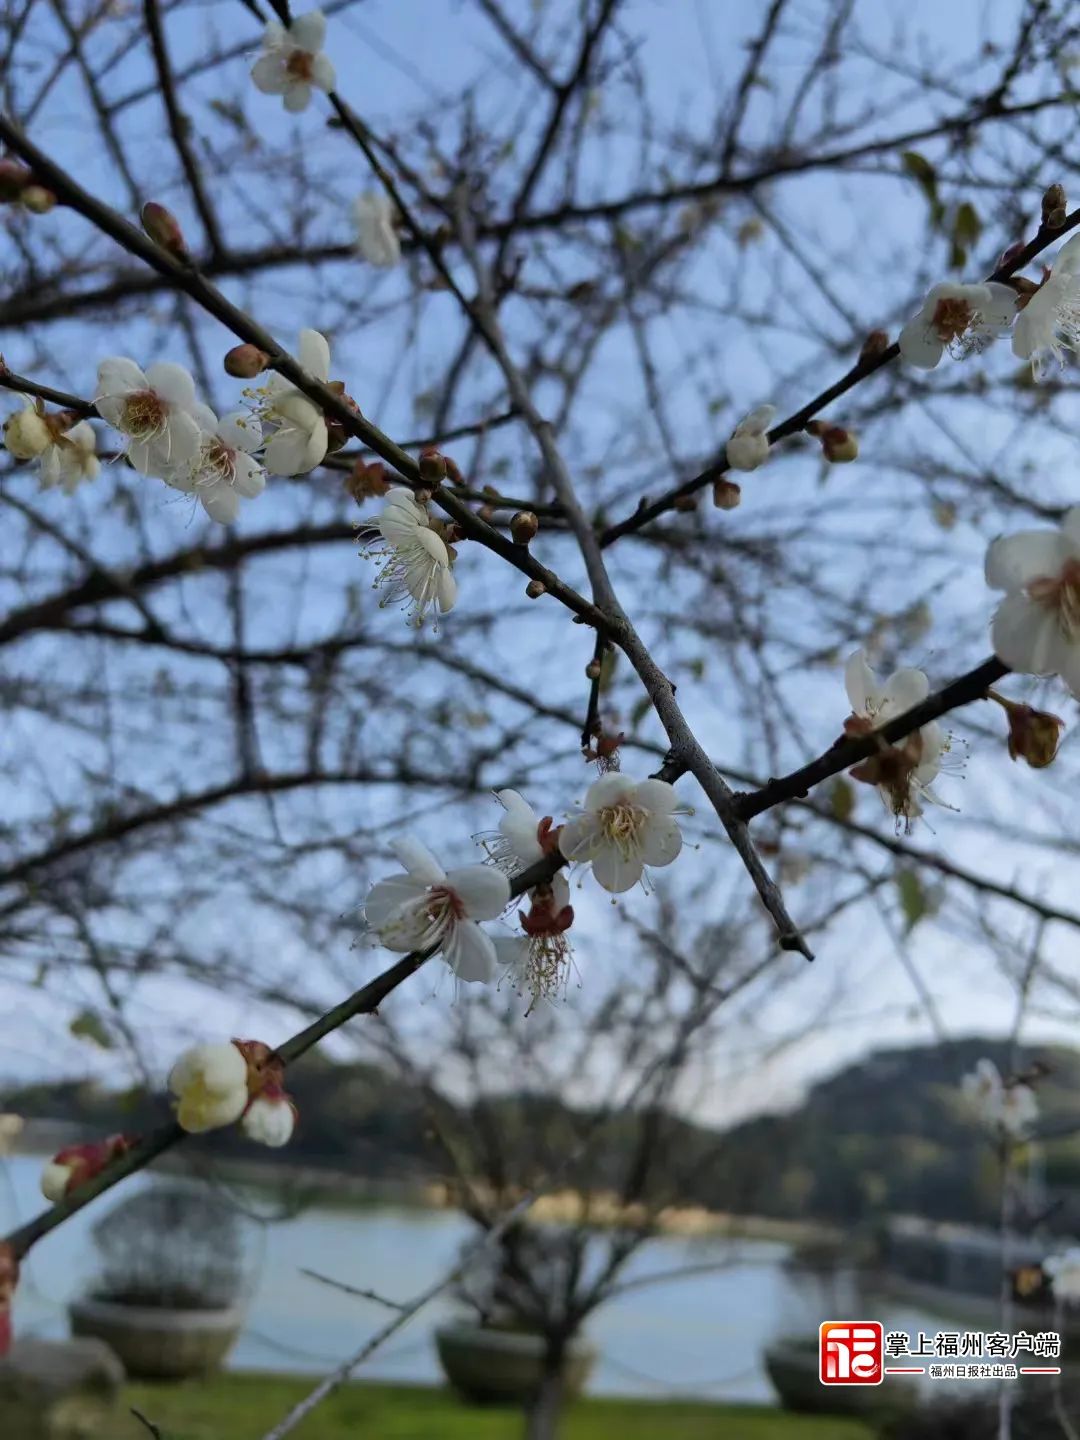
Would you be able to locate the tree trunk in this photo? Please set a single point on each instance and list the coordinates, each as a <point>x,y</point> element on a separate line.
<point>545,1411</point>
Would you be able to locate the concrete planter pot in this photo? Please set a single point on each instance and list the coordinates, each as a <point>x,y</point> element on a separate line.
<point>158,1344</point>
<point>490,1366</point>
<point>792,1366</point>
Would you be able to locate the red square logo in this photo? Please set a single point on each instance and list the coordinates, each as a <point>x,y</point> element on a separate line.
<point>850,1352</point>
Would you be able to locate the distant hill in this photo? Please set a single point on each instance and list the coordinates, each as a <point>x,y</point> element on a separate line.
<point>889,1134</point>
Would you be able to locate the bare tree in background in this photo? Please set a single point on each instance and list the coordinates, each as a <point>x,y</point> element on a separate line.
<point>212,733</point>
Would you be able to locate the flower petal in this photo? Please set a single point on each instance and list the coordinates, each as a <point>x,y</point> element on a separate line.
<point>315,354</point>
<point>297,98</point>
<point>323,75</point>
<point>657,796</point>
<point>903,689</point>
<point>1013,561</point>
<point>470,953</point>
<point>1024,636</point>
<point>609,790</point>
<point>118,375</point>
<point>250,477</point>
<point>863,690</point>
<point>445,591</point>
<point>221,503</point>
<point>269,74</point>
<point>286,451</point>
<point>387,896</point>
<point>616,873</point>
<point>419,861</point>
<point>173,383</point>
<point>661,841</point>
<point>309,31</point>
<point>576,837</point>
<point>240,431</point>
<point>519,826</point>
<point>919,345</point>
<point>483,890</point>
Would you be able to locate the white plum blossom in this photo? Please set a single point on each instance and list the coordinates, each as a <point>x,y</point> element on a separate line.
<point>65,457</point>
<point>1012,1109</point>
<point>154,410</point>
<point>1063,1272</point>
<point>299,437</point>
<point>623,826</point>
<point>70,460</point>
<point>210,1083</point>
<point>1036,629</point>
<point>516,844</point>
<point>984,1088</point>
<point>376,238</point>
<point>957,318</point>
<point>426,907</point>
<point>270,1119</point>
<point>749,444</point>
<point>223,468</point>
<point>1019,1109</point>
<point>292,60</point>
<point>1048,322</point>
<point>416,560</point>
<point>904,771</point>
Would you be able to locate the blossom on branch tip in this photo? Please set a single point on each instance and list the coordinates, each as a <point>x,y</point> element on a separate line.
<point>749,444</point>
<point>1036,628</point>
<point>415,559</point>
<point>903,772</point>
<point>223,468</point>
<point>376,238</point>
<point>292,60</point>
<point>426,908</point>
<point>299,437</point>
<point>957,318</point>
<point>270,1117</point>
<point>1049,320</point>
<point>74,1165</point>
<point>1063,1272</point>
<point>623,826</point>
<point>210,1083</point>
<point>152,409</point>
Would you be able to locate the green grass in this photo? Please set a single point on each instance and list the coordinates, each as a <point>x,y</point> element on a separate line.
<point>243,1407</point>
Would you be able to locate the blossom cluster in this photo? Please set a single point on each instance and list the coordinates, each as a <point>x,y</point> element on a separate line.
<point>1009,1109</point>
<point>622,827</point>
<point>171,435</point>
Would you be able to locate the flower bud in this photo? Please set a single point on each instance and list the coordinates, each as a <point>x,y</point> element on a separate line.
<point>74,1165</point>
<point>535,588</point>
<point>26,433</point>
<point>1054,205</point>
<point>210,1083</point>
<point>1012,254</point>
<point>14,179</point>
<point>726,495</point>
<point>37,199</point>
<point>1034,735</point>
<point>838,444</point>
<point>270,1119</point>
<point>875,344</point>
<point>592,670</point>
<point>453,473</point>
<point>685,502</point>
<point>523,527</point>
<point>163,228</point>
<point>246,361</point>
<point>432,467</point>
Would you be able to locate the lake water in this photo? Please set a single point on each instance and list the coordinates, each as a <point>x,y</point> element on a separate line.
<point>693,1336</point>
